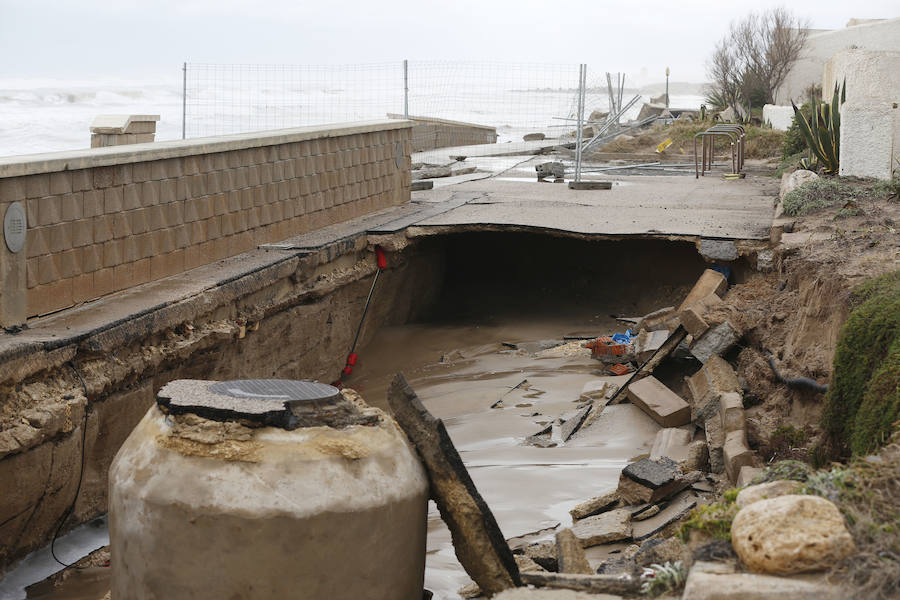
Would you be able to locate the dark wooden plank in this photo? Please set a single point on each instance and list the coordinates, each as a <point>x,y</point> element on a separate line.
<point>594,584</point>
<point>479,544</point>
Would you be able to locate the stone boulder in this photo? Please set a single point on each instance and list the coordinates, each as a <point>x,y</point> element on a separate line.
<point>790,534</point>
<point>764,491</point>
<point>791,181</point>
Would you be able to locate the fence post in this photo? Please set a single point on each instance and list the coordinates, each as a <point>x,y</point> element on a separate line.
<point>582,80</point>
<point>405,89</point>
<point>184,101</point>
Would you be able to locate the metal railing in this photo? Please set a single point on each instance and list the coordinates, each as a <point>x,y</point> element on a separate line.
<point>735,135</point>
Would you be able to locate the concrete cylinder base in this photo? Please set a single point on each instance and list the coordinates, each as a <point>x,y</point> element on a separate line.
<point>214,510</point>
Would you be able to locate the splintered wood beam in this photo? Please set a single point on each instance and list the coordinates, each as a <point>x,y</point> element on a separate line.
<point>477,540</point>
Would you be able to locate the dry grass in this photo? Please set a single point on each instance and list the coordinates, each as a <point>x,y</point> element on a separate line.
<point>761,142</point>
<point>867,493</point>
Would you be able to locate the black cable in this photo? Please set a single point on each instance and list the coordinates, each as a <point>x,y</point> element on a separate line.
<point>71,508</point>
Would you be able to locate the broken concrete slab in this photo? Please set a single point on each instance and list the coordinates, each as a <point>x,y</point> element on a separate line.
<point>661,551</point>
<point>612,526</point>
<point>710,282</point>
<point>570,554</point>
<point>697,456</point>
<point>715,440</point>
<point>418,186</point>
<point>707,385</point>
<point>652,473</point>
<point>695,324</point>
<point>650,481</point>
<point>715,342</point>
<point>723,250</point>
<point>702,585</point>
<point>657,319</point>
<point>573,423</point>
<point>544,554</point>
<point>477,539</point>
<point>673,443</point>
<point>526,565</point>
<point>731,412</point>
<point>648,342</point>
<point>659,402</point>
<point>747,475</point>
<point>431,172</point>
<point>736,453</point>
<point>595,506</point>
<point>647,512</point>
<point>676,510</point>
<point>553,169</point>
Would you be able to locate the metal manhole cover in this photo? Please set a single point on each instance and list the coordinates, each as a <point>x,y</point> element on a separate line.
<point>278,390</point>
<point>15,225</point>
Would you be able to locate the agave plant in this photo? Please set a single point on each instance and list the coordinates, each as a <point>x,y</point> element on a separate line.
<point>660,579</point>
<point>822,132</point>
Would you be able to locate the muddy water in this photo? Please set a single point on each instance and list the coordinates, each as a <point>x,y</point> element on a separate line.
<point>459,371</point>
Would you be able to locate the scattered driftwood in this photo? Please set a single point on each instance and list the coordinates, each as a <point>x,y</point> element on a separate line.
<point>477,539</point>
<point>594,584</point>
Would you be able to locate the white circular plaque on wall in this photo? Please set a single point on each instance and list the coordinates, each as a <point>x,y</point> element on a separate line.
<point>15,225</point>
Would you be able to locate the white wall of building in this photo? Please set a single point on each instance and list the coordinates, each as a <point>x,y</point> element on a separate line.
<point>870,118</point>
<point>820,47</point>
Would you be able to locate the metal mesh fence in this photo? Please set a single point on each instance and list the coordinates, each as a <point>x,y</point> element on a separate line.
<point>451,103</point>
<point>226,99</point>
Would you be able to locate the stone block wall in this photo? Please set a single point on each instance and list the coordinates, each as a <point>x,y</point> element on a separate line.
<point>107,219</point>
<point>430,133</point>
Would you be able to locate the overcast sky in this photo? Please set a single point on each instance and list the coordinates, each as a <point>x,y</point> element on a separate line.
<point>129,38</point>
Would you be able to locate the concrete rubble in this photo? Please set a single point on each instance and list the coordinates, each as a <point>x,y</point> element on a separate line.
<point>612,526</point>
<point>570,554</point>
<point>649,481</point>
<point>595,505</point>
<point>659,402</point>
<point>707,582</point>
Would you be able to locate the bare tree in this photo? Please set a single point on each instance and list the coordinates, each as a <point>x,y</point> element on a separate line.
<point>755,56</point>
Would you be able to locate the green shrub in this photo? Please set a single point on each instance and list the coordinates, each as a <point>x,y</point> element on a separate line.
<point>863,400</point>
<point>712,519</point>
<point>793,470</point>
<point>794,142</point>
<point>816,195</point>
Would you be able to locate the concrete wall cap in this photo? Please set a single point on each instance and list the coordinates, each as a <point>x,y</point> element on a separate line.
<point>118,123</point>
<point>70,160</point>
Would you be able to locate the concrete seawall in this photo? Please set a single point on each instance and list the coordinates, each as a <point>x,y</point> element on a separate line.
<point>107,219</point>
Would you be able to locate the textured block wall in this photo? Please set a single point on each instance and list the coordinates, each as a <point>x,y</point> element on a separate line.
<point>98,230</point>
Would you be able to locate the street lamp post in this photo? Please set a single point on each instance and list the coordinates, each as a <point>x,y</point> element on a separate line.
<point>667,87</point>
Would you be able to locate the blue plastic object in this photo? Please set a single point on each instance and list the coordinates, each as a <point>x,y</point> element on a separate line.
<point>726,271</point>
<point>622,338</point>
